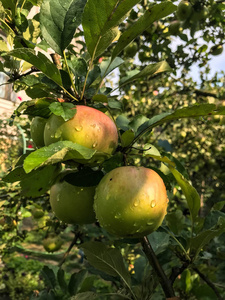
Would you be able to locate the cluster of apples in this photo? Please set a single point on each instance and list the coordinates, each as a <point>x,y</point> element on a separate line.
<point>129,201</point>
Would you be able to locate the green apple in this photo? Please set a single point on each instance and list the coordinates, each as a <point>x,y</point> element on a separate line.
<point>37,213</point>
<point>131,201</point>
<point>216,50</point>
<point>184,10</point>
<point>52,244</point>
<point>37,131</point>
<point>89,127</point>
<point>131,50</point>
<point>199,15</point>
<point>175,27</point>
<point>72,204</point>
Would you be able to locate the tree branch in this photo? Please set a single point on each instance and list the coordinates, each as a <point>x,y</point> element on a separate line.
<point>213,287</point>
<point>164,281</point>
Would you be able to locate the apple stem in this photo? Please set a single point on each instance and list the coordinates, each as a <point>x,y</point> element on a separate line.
<point>164,281</point>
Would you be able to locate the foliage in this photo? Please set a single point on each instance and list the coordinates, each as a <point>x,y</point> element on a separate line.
<point>165,121</point>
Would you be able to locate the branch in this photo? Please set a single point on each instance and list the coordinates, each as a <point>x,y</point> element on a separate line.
<point>164,281</point>
<point>213,287</point>
<point>177,271</point>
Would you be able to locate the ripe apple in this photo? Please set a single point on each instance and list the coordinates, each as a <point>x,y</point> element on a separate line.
<point>216,50</point>
<point>184,10</point>
<point>37,131</point>
<point>72,204</point>
<point>131,201</point>
<point>89,127</point>
<point>52,244</point>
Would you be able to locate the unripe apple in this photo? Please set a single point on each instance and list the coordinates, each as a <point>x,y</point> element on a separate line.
<point>216,50</point>
<point>184,10</point>
<point>72,204</point>
<point>89,127</point>
<point>199,15</point>
<point>175,27</point>
<point>131,201</point>
<point>37,131</point>
<point>131,50</point>
<point>52,244</point>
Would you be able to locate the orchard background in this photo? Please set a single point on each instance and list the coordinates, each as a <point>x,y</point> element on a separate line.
<point>131,60</point>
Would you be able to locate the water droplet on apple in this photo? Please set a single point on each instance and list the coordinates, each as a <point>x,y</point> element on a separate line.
<point>118,216</point>
<point>149,223</point>
<point>94,144</point>
<point>136,203</point>
<point>78,128</point>
<point>153,203</point>
<point>57,198</point>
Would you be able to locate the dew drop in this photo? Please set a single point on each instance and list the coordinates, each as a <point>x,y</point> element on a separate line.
<point>136,203</point>
<point>57,199</point>
<point>94,144</point>
<point>78,128</point>
<point>153,203</point>
<point>118,216</point>
<point>149,223</point>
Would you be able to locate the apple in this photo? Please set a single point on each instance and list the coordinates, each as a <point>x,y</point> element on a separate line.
<point>131,201</point>
<point>37,131</point>
<point>175,27</point>
<point>52,244</point>
<point>216,50</point>
<point>131,50</point>
<point>184,10</point>
<point>37,213</point>
<point>199,14</point>
<point>72,204</point>
<point>89,127</point>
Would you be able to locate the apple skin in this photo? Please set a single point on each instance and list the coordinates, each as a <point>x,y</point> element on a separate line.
<point>52,244</point>
<point>89,127</point>
<point>131,201</point>
<point>184,10</point>
<point>37,131</point>
<point>72,204</point>
<point>175,27</point>
<point>216,50</point>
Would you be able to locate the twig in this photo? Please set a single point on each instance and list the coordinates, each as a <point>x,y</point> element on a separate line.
<point>177,271</point>
<point>164,281</point>
<point>74,241</point>
<point>213,287</point>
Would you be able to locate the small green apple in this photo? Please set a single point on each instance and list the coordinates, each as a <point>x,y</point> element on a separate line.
<point>184,10</point>
<point>216,50</point>
<point>131,50</point>
<point>131,201</point>
<point>175,27</point>
<point>37,131</point>
<point>72,204</point>
<point>52,244</point>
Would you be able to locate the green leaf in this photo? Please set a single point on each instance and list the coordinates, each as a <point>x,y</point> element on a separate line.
<point>127,137</point>
<point>195,111</point>
<point>85,296</point>
<point>78,66</point>
<point>49,277</point>
<point>151,15</point>
<point>107,66</point>
<point>64,109</point>
<point>192,196</point>
<point>84,177</point>
<point>93,75</point>
<point>203,238</point>
<point>123,122</point>
<point>106,40</point>
<point>40,61</point>
<point>108,260</point>
<point>39,181</point>
<point>148,71</point>
<point>75,281</point>
<point>100,98</point>
<point>56,152</point>
<point>100,16</point>
<point>115,104</point>
<point>59,20</point>
<point>159,241</point>
<point>61,280</point>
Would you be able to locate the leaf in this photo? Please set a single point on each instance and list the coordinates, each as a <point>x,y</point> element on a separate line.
<point>151,15</point>
<point>195,111</point>
<point>123,122</point>
<point>107,66</point>
<point>106,40</point>
<point>84,177</point>
<point>39,181</point>
<point>127,137</point>
<point>192,196</point>
<point>108,260</point>
<point>40,61</point>
<point>93,75</point>
<point>56,152</point>
<point>49,277</point>
<point>59,20</point>
<point>85,296</point>
<point>64,109</point>
<point>75,281</point>
<point>159,241</point>
<point>100,16</point>
<point>78,66</point>
<point>115,104</point>
<point>149,70</point>
<point>203,238</point>
<point>100,98</point>
<point>61,280</point>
